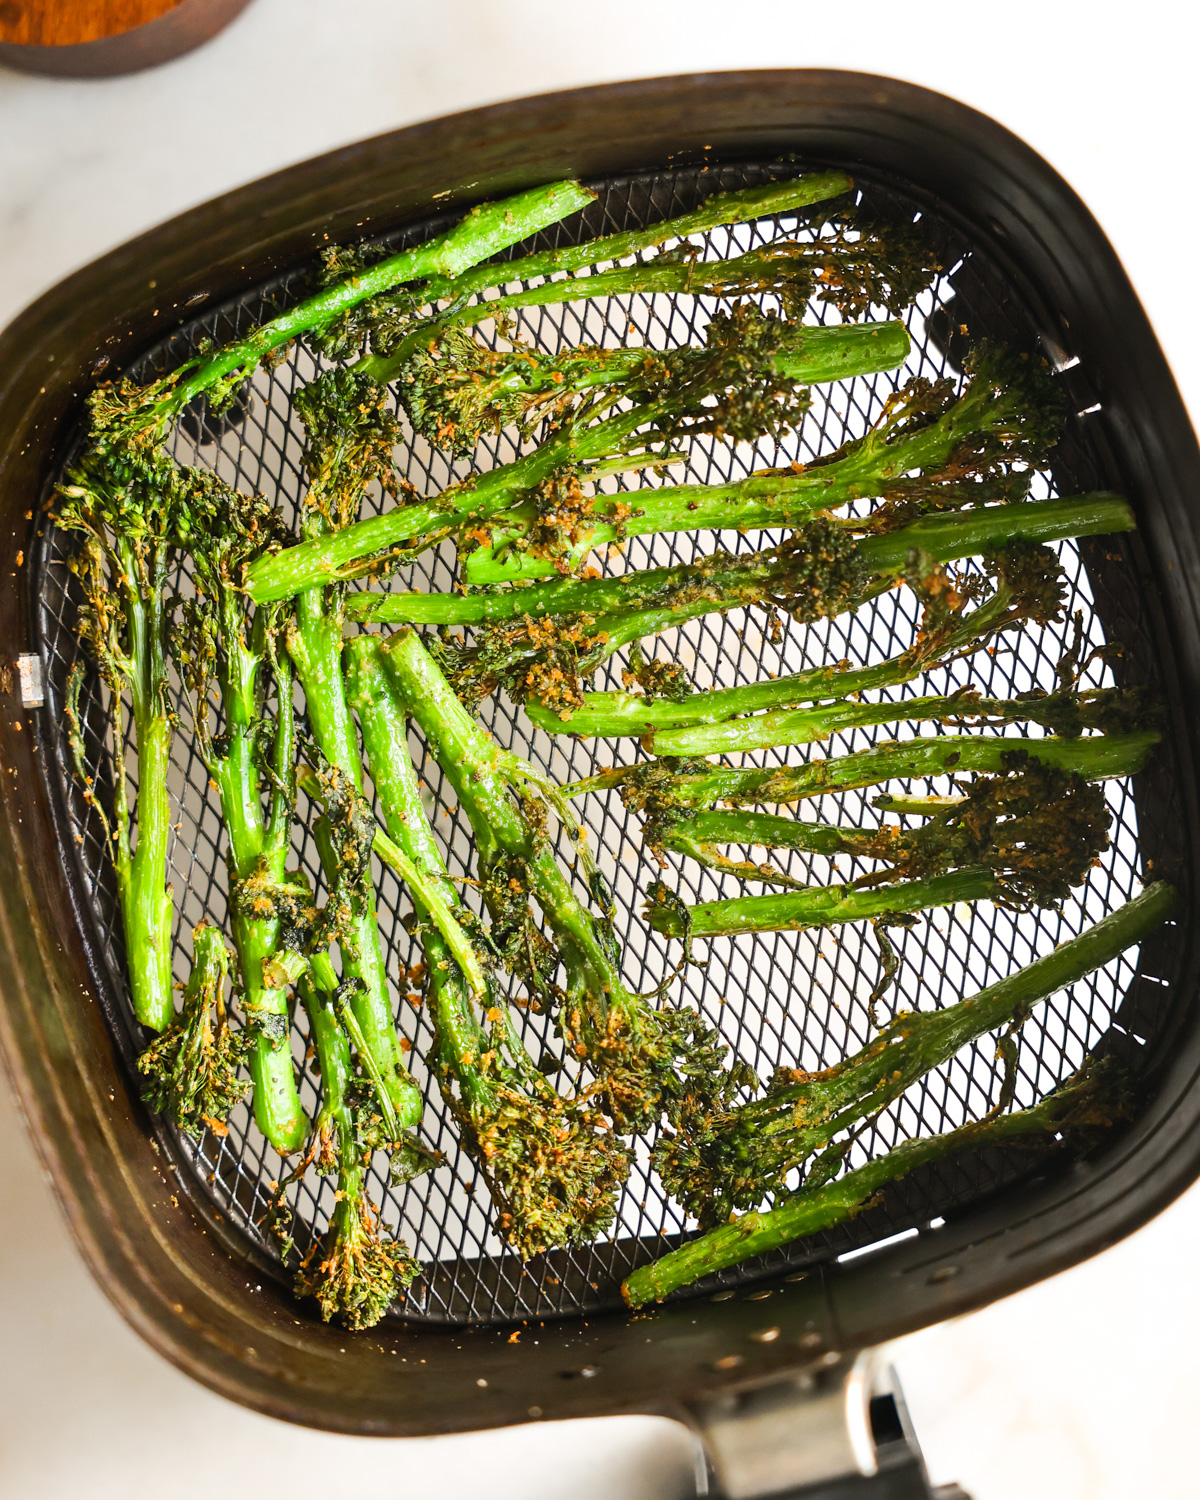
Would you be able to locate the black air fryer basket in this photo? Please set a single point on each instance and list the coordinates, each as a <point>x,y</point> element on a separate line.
<point>173,1230</point>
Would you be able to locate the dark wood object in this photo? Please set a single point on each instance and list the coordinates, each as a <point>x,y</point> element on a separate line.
<point>100,38</point>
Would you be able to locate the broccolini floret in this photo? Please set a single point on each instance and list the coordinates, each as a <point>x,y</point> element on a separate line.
<point>191,1068</point>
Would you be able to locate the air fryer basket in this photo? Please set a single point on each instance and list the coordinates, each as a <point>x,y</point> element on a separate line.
<point>173,1230</point>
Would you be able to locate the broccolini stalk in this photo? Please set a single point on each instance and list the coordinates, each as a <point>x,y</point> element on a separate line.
<point>567,628</point>
<point>455,390</point>
<point>485,231</point>
<point>646,1059</point>
<point>228,650</point>
<point>709,392</point>
<point>1081,1108</point>
<point>726,1159</point>
<point>353,1271</point>
<point>350,439</point>
<point>1028,589</point>
<point>659,785</point>
<point>551,1164</point>
<point>123,499</point>
<point>394,332</point>
<point>1038,829</point>
<point>954,448</point>
<point>191,1067</point>
<point>1064,712</point>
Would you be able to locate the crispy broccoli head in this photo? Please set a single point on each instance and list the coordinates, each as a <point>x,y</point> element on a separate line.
<point>351,434</point>
<point>354,1271</point>
<point>191,1068</point>
<point>553,1167</point>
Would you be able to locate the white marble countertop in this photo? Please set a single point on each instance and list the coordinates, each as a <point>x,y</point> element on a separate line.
<point>1081,1389</point>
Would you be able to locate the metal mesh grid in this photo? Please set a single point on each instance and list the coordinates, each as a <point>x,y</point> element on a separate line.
<point>794,999</point>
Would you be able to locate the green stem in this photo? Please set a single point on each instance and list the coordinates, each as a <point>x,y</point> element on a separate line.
<point>723,208</point>
<point>315,646</point>
<point>822,906</point>
<point>801,726</point>
<point>147,907</point>
<point>1096,757</point>
<point>613,715</point>
<point>485,231</point>
<point>277,1108</point>
<point>807,1212</point>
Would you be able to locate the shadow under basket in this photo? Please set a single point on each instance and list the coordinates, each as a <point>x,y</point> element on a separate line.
<point>172,1229</point>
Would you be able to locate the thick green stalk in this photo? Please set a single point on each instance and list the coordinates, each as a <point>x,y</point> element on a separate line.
<point>821,906</point>
<point>807,1212</point>
<point>724,1160</point>
<point>346,553</point>
<point>801,726</point>
<point>146,898</point>
<point>647,1059</point>
<point>1095,757</point>
<point>315,646</point>
<point>485,231</point>
<point>613,715</point>
<point>722,208</point>
<point>277,1108</point>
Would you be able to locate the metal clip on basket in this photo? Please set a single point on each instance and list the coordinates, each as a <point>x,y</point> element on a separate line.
<point>752,1357</point>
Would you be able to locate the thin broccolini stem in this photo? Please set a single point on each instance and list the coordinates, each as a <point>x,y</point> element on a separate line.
<point>315,646</point>
<point>485,231</point>
<point>822,906</point>
<point>1077,1103</point>
<point>675,784</point>
<point>801,726</point>
<point>722,208</point>
<point>722,1160</point>
<point>552,1167</point>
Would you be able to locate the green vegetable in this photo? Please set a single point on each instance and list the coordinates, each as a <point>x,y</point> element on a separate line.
<point>456,391</point>
<point>1082,1108</point>
<point>1038,831</point>
<point>229,651</point>
<point>191,1067</point>
<point>647,1059</point>
<point>123,500</point>
<point>550,1162</point>
<point>669,783</point>
<point>722,1159</point>
<point>354,1271</point>
<point>930,449</point>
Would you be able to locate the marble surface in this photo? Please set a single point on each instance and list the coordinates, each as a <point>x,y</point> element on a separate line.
<point>1080,1389</point>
